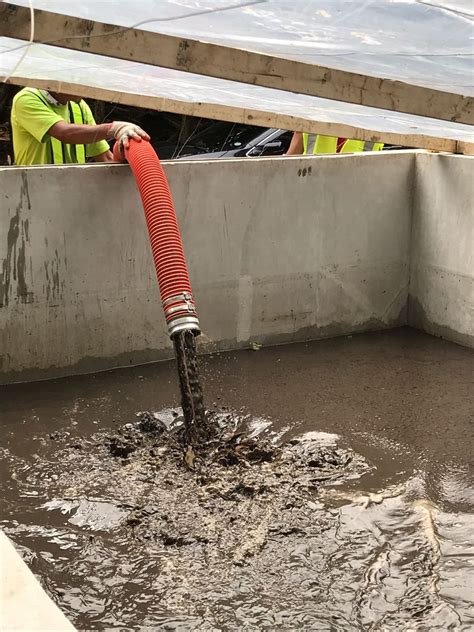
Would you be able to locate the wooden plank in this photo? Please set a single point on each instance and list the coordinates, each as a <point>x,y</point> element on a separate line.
<point>251,116</point>
<point>233,64</point>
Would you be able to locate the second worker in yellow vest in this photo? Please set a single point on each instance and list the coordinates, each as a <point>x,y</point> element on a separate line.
<point>310,144</point>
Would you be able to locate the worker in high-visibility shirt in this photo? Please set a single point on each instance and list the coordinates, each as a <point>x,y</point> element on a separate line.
<point>56,128</point>
<point>310,144</point>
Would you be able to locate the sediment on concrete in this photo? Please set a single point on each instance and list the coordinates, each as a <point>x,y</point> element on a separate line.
<point>279,250</point>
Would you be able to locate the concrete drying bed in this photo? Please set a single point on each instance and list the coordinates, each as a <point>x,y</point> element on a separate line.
<point>383,538</point>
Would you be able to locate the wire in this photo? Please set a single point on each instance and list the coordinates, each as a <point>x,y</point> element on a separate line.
<point>241,5</point>
<point>112,109</point>
<point>27,46</point>
<point>177,155</point>
<point>124,29</point>
<point>467,16</point>
<point>179,137</point>
<point>228,136</point>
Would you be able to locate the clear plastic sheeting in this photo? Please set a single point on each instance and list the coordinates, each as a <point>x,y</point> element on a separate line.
<point>423,42</point>
<point>114,80</point>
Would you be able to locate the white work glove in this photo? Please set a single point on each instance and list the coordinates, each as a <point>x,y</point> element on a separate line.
<point>123,132</point>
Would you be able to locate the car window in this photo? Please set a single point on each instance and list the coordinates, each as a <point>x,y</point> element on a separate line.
<point>240,136</point>
<point>270,146</point>
<point>221,136</point>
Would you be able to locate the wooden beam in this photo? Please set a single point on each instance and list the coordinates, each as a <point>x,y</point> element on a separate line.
<point>250,116</point>
<point>223,62</point>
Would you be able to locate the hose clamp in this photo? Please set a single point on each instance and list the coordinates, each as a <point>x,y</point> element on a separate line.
<point>180,313</point>
<point>184,300</point>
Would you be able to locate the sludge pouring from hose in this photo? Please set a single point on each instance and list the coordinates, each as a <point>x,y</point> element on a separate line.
<point>173,279</point>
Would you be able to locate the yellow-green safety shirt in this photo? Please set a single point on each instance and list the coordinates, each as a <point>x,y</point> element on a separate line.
<point>320,144</point>
<point>32,116</point>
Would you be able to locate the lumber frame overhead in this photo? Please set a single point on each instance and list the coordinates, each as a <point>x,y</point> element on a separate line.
<point>252,117</point>
<point>234,64</point>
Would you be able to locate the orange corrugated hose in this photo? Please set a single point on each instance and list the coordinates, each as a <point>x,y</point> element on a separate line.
<point>168,255</point>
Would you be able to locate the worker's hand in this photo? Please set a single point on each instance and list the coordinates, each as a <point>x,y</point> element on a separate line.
<point>123,132</point>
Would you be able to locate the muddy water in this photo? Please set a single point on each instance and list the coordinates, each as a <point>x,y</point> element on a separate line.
<point>341,500</point>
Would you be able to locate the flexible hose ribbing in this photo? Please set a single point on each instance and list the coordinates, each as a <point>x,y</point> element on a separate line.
<point>165,238</point>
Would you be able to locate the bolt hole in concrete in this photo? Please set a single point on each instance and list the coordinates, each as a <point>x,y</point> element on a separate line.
<point>336,495</point>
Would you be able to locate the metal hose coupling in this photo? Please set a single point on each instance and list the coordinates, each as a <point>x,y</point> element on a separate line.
<point>180,313</point>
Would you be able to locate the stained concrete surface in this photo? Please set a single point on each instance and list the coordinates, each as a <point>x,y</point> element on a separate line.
<point>383,542</point>
<point>441,293</point>
<point>284,250</point>
<point>273,255</point>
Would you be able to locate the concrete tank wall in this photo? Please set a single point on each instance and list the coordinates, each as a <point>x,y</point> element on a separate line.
<point>441,298</point>
<point>278,250</point>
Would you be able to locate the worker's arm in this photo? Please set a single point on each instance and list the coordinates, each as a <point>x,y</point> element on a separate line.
<point>88,134</point>
<point>107,156</point>
<point>80,134</point>
<point>296,145</point>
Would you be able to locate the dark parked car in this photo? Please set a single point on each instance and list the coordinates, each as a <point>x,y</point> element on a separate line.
<point>247,142</point>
